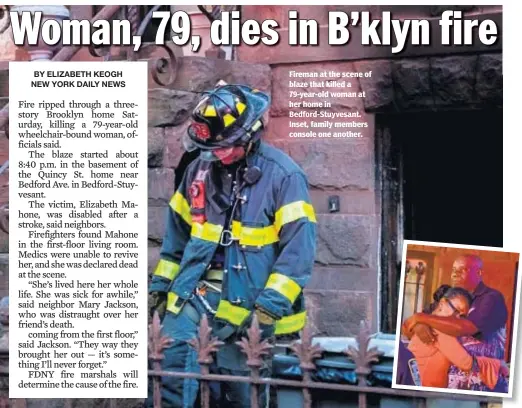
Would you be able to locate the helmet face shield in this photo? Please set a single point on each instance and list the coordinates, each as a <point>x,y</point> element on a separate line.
<point>226,155</point>
<point>208,156</point>
<point>188,144</point>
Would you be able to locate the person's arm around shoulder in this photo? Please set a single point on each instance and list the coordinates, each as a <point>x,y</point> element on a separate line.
<point>450,347</point>
<point>452,326</point>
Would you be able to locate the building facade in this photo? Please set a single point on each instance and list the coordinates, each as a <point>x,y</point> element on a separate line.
<point>424,106</point>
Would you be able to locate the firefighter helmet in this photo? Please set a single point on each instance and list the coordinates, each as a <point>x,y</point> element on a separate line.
<point>227,116</point>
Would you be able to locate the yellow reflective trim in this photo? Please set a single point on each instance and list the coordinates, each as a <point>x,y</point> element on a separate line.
<point>291,324</point>
<point>207,231</point>
<point>292,212</point>
<point>237,315</point>
<point>214,274</point>
<point>228,119</point>
<point>252,236</point>
<point>240,106</point>
<point>180,205</point>
<point>284,285</point>
<point>233,314</point>
<point>166,269</point>
<point>172,298</point>
<point>256,125</point>
<point>210,111</point>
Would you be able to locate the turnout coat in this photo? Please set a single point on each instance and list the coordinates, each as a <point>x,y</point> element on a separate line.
<point>269,250</point>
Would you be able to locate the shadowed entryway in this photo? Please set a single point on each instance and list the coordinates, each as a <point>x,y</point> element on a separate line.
<point>441,181</point>
<point>452,173</point>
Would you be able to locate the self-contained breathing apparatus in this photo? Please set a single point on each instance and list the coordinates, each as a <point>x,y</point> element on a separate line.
<point>226,126</point>
<point>214,277</point>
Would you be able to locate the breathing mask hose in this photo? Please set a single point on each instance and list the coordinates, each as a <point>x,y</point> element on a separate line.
<point>252,176</point>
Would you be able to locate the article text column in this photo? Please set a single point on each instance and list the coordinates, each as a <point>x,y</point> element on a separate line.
<point>78,229</point>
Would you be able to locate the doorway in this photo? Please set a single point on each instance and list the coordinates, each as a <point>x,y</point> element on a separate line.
<point>441,180</point>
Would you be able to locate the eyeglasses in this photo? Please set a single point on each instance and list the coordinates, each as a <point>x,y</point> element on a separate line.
<point>456,311</point>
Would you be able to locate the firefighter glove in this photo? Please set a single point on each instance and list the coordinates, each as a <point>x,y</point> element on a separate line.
<point>159,303</point>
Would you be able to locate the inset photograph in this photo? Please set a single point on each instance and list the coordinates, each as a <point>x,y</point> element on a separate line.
<point>457,319</point>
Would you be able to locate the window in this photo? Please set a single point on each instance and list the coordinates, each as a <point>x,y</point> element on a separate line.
<point>414,287</point>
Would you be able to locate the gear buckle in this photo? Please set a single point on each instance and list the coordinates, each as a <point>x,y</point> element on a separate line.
<point>227,238</point>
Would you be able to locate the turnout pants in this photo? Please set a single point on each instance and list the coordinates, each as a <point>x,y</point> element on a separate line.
<point>181,357</point>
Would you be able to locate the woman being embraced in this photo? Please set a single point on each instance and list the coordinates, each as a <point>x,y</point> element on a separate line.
<point>433,361</point>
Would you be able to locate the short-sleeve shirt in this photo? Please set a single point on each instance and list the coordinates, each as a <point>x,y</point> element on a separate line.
<point>489,314</point>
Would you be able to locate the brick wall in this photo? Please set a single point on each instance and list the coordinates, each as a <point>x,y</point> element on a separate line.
<point>343,288</point>
<point>4,198</point>
<point>7,48</point>
<point>345,283</point>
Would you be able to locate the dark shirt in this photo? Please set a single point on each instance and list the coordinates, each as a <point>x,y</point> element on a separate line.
<point>488,311</point>
<point>489,314</point>
<point>407,372</point>
<point>228,177</point>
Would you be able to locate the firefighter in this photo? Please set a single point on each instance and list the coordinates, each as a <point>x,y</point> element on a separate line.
<point>240,240</point>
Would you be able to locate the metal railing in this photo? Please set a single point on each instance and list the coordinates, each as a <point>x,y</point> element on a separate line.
<point>306,351</point>
<point>363,356</point>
